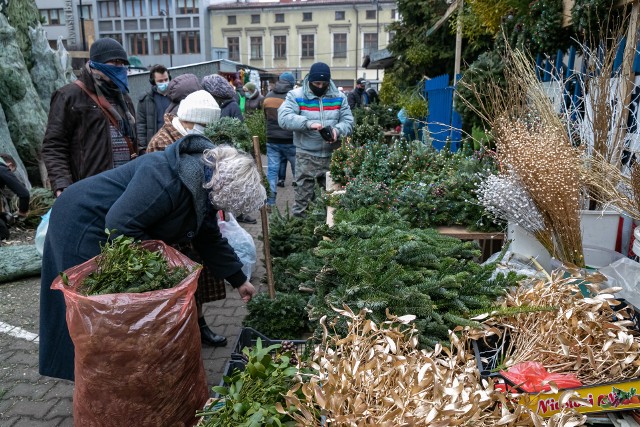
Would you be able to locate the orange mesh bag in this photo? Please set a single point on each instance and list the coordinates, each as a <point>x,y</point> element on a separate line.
<point>137,356</point>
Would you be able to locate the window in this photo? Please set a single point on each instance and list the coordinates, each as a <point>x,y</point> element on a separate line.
<point>371,14</point>
<point>340,45</point>
<point>117,37</point>
<point>306,16</point>
<point>279,47</point>
<point>109,9</point>
<point>134,8</point>
<point>394,13</point>
<point>231,20</point>
<point>187,6</point>
<point>339,15</point>
<point>255,19</point>
<point>159,5</point>
<point>233,45</point>
<point>138,44</point>
<point>161,44</point>
<point>85,13</point>
<point>256,47</point>
<point>279,17</point>
<point>308,50</point>
<point>189,41</point>
<point>370,43</point>
<point>53,16</point>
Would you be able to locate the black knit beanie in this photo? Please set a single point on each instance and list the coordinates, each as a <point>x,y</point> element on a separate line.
<point>319,72</point>
<point>107,49</point>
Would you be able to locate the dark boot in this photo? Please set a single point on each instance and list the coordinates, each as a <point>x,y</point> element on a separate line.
<point>208,337</point>
<point>246,219</point>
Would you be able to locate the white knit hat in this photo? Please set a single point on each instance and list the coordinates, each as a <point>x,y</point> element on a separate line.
<point>199,107</point>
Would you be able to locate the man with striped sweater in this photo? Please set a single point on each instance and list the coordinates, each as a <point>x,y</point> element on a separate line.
<point>319,116</point>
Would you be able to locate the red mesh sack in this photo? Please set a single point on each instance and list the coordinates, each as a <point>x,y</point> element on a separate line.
<point>137,356</point>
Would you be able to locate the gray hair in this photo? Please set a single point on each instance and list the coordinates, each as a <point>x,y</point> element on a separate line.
<point>236,185</point>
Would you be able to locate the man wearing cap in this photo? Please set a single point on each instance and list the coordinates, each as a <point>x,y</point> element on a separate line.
<point>91,125</point>
<point>358,96</point>
<point>319,115</point>
<point>280,148</point>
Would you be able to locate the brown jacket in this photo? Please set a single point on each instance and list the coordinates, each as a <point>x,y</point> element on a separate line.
<point>77,142</point>
<point>166,136</point>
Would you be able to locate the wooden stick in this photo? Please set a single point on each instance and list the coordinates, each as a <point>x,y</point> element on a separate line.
<point>265,224</point>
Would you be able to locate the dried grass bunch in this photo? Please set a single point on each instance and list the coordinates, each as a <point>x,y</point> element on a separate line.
<point>505,197</point>
<point>588,336</point>
<point>376,376</point>
<point>610,187</point>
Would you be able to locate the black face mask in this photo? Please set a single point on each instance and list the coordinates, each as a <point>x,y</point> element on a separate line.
<point>318,91</point>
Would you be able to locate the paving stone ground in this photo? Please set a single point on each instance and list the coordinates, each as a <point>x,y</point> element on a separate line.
<point>31,400</point>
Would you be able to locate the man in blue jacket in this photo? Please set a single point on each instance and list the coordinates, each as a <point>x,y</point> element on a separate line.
<point>319,115</point>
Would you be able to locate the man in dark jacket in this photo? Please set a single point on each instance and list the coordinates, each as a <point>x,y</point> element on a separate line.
<point>160,196</point>
<point>152,105</point>
<point>10,181</point>
<point>91,125</point>
<point>358,96</point>
<point>279,141</point>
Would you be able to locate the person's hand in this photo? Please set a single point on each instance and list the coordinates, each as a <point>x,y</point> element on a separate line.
<point>316,126</point>
<point>246,291</point>
<point>59,192</point>
<point>335,135</point>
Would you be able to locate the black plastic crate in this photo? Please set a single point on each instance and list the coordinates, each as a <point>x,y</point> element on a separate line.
<point>489,351</point>
<point>249,336</point>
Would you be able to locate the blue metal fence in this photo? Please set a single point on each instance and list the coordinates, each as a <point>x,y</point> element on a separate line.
<point>443,121</point>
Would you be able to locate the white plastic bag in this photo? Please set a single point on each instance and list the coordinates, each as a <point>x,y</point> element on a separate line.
<point>241,242</point>
<point>41,232</point>
<point>624,273</point>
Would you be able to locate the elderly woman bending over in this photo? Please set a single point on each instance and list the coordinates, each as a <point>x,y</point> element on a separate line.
<point>170,196</point>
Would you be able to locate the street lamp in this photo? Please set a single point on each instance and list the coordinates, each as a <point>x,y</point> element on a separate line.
<point>166,14</point>
<point>377,34</point>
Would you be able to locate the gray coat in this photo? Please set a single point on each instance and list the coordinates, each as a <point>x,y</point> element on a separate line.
<point>302,108</point>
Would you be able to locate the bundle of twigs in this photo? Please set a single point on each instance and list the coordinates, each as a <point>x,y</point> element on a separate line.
<point>375,375</point>
<point>588,336</point>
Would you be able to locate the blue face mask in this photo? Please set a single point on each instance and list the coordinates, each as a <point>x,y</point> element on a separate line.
<point>118,75</point>
<point>162,86</point>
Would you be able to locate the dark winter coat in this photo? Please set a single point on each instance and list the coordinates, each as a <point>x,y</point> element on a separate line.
<point>158,196</point>
<point>147,116</point>
<point>230,108</point>
<point>357,98</point>
<point>8,179</point>
<point>270,105</point>
<point>252,104</point>
<point>77,142</point>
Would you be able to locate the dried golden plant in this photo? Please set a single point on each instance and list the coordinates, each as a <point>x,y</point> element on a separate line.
<point>610,187</point>
<point>547,166</point>
<point>376,376</point>
<point>588,336</point>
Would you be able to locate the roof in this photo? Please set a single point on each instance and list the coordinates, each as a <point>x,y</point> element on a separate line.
<point>288,3</point>
<point>226,65</point>
<point>379,60</point>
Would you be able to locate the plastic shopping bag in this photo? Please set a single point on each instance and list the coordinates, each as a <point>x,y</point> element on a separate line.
<point>534,377</point>
<point>241,242</point>
<point>41,232</point>
<point>137,356</point>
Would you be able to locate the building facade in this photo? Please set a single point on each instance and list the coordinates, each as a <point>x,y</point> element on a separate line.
<point>291,35</point>
<point>67,19</point>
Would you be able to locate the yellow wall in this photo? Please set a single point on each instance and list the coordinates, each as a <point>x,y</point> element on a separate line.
<point>322,25</point>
